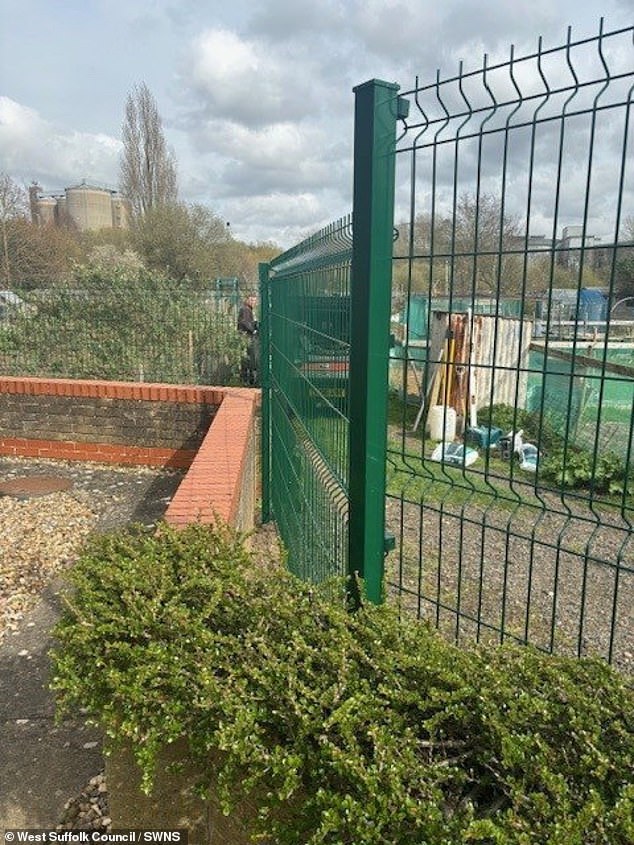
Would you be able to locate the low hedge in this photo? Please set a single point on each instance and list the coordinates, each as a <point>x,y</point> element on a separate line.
<point>349,728</point>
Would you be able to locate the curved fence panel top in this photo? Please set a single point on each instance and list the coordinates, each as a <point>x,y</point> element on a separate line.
<point>510,481</point>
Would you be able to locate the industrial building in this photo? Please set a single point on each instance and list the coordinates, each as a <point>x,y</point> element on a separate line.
<point>567,249</point>
<point>87,207</point>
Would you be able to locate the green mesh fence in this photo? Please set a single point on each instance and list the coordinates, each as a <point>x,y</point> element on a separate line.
<point>512,383</point>
<point>308,297</point>
<point>508,384</point>
<point>124,331</point>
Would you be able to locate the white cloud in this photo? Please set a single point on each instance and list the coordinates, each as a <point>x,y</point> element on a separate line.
<point>241,80</point>
<point>31,148</point>
<point>281,157</point>
<point>284,218</point>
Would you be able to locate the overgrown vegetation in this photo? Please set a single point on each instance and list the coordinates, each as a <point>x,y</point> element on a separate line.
<point>345,728</point>
<point>570,467</point>
<point>579,468</point>
<point>134,304</point>
<point>537,429</point>
<point>123,323</point>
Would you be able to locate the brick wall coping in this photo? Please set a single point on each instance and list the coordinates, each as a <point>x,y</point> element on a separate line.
<point>213,482</point>
<point>115,390</point>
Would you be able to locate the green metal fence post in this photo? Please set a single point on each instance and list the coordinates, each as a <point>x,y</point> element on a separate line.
<point>376,113</point>
<point>265,382</point>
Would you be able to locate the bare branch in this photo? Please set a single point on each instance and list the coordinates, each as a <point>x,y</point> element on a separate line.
<point>148,168</point>
<point>13,205</point>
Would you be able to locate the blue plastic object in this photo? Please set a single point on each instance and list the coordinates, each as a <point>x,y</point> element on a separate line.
<point>483,436</point>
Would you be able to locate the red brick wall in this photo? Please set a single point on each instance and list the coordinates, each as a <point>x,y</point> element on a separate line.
<point>221,476</point>
<point>221,479</point>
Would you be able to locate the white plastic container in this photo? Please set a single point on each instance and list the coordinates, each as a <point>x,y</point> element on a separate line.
<point>441,423</point>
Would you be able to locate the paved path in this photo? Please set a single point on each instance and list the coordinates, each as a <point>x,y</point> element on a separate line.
<point>42,764</point>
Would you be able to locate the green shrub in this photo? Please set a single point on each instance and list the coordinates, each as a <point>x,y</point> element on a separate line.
<point>537,429</point>
<point>347,728</point>
<point>576,468</point>
<point>124,325</point>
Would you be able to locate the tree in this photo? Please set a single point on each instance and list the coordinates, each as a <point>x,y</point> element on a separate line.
<point>13,205</point>
<point>40,256</point>
<point>184,242</point>
<point>148,168</point>
<point>245,260</point>
<point>624,277</point>
<point>106,258</point>
<point>466,252</point>
<point>484,239</point>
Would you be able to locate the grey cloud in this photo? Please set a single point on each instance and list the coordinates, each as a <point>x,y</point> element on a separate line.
<point>306,175</point>
<point>280,20</point>
<point>239,79</point>
<point>282,157</point>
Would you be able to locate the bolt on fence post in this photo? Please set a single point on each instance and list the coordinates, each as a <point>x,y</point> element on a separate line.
<point>265,383</point>
<point>376,112</point>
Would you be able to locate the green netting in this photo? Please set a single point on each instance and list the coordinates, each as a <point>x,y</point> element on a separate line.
<point>588,406</point>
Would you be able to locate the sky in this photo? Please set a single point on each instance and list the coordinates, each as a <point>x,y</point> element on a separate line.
<point>256,97</point>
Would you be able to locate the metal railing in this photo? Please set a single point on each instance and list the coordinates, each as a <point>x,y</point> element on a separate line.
<point>520,528</point>
<point>506,428</point>
<point>305,332</point>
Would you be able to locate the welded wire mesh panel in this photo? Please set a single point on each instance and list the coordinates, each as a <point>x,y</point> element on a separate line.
<point>145,330</point>
<point>309,292</point>
<point>512,380</point>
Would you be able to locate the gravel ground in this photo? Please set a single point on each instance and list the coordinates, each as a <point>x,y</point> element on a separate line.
<point>89,809</point>
<point>553,570</point>
<point>40,536</point>
<point>560,579</point>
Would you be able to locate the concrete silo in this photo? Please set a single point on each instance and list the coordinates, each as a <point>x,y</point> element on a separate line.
<point>90,208</point>
<point>46,208</point>
<point>62,214</point>
<point>86,207</point>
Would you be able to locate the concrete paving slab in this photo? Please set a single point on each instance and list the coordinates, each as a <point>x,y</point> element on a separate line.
<point>42,764</point>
